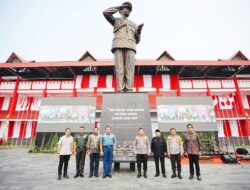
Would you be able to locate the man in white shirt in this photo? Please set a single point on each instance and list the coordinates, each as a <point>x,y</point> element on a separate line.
<point>64,150</point>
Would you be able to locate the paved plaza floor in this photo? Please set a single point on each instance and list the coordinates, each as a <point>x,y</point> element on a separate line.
<point>33,171</point>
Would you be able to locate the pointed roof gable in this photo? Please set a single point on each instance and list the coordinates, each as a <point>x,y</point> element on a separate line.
<point>87,57</point>
<point>238,56</point>
<point>14,58</point>
<point>165,56</point>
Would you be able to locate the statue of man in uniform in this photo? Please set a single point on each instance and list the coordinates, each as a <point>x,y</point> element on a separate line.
<point>126,36</point>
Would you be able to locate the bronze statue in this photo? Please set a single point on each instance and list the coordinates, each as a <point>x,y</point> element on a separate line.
<point>126,36</point>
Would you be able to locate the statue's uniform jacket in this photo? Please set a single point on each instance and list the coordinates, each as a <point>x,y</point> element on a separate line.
<point>124,34</point>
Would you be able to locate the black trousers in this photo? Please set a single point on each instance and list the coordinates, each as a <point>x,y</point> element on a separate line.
<point>63,161</point>
<point>176,163</point>
<point>194,159</point>
<point>80,160</point>
<point>162,160</point>
<point>142,158</point>
<point>94,163</point>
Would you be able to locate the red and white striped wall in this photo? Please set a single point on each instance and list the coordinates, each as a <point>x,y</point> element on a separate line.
<point>25,103</point>
<point>18,129</point>
<point>107,83</point>
<point>5,103</point>
<point>29,94</point>
<point>142,82</point>
<point>231,128</point>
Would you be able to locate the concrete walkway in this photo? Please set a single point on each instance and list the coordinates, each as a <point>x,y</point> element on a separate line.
<point>25,171</point>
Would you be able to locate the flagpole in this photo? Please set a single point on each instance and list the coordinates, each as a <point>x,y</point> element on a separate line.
<point>230,106</point>
<point>22,112</point>
<point>6,126</point>
<point>231,100</point>
<point>37,108</point>
<point>28,105</point>
<point>223,117</point>
<point>226,117</point>
<point>239,124</point>
<point>23,108</point>
<point>229,119</point>
<point>18,113</point>
<point>215,103</point>
<point>20,125</point>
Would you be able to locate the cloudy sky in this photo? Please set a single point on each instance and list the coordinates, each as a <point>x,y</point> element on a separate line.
<point>54,30</point>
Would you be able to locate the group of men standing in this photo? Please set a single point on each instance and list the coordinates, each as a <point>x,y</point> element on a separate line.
<point>172,147</point>
<point>93,145</point>
<point>96,145</point>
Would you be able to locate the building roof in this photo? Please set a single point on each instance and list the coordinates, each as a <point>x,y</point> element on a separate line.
<point>87,64</point>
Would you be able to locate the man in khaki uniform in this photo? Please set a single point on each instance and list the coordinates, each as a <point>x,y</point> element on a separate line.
<point>141,147</point>
<point>80,143</point>
<point>126,36</point>
<point>175,152</point>
<point>93,150</point>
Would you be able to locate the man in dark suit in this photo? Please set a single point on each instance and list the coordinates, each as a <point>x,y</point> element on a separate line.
<point>159,151</point>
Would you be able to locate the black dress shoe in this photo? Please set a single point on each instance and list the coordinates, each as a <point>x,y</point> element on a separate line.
<point>173,175</point>
<point>139,174</point>
<point>66,176</point>
<point>199,178</point>
<point>164,175</point>
<point>104,176</point>
<point>179,176</point>
<point>91,175</point>
<point>110,176</point>
<point>77,175</point>
<point>96,175</point>
<point>81,175</point>
<point>59,177</point>
<point>157,175</point>
<point>191,177</point>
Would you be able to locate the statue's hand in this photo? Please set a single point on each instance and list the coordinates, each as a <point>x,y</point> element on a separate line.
<point>118,7</point>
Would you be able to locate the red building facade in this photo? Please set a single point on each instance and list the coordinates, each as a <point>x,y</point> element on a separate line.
<point>24,83</point>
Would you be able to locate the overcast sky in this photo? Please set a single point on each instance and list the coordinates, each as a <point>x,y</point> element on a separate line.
<point>54,30</point>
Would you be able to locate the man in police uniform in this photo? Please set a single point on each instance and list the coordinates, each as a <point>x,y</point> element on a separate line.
<point>126,36</point>
<point>141,147</point>
<point>80,143</point>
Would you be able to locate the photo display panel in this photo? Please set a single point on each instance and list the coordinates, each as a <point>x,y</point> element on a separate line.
<point>56,114</point>
<point>177,112</point>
